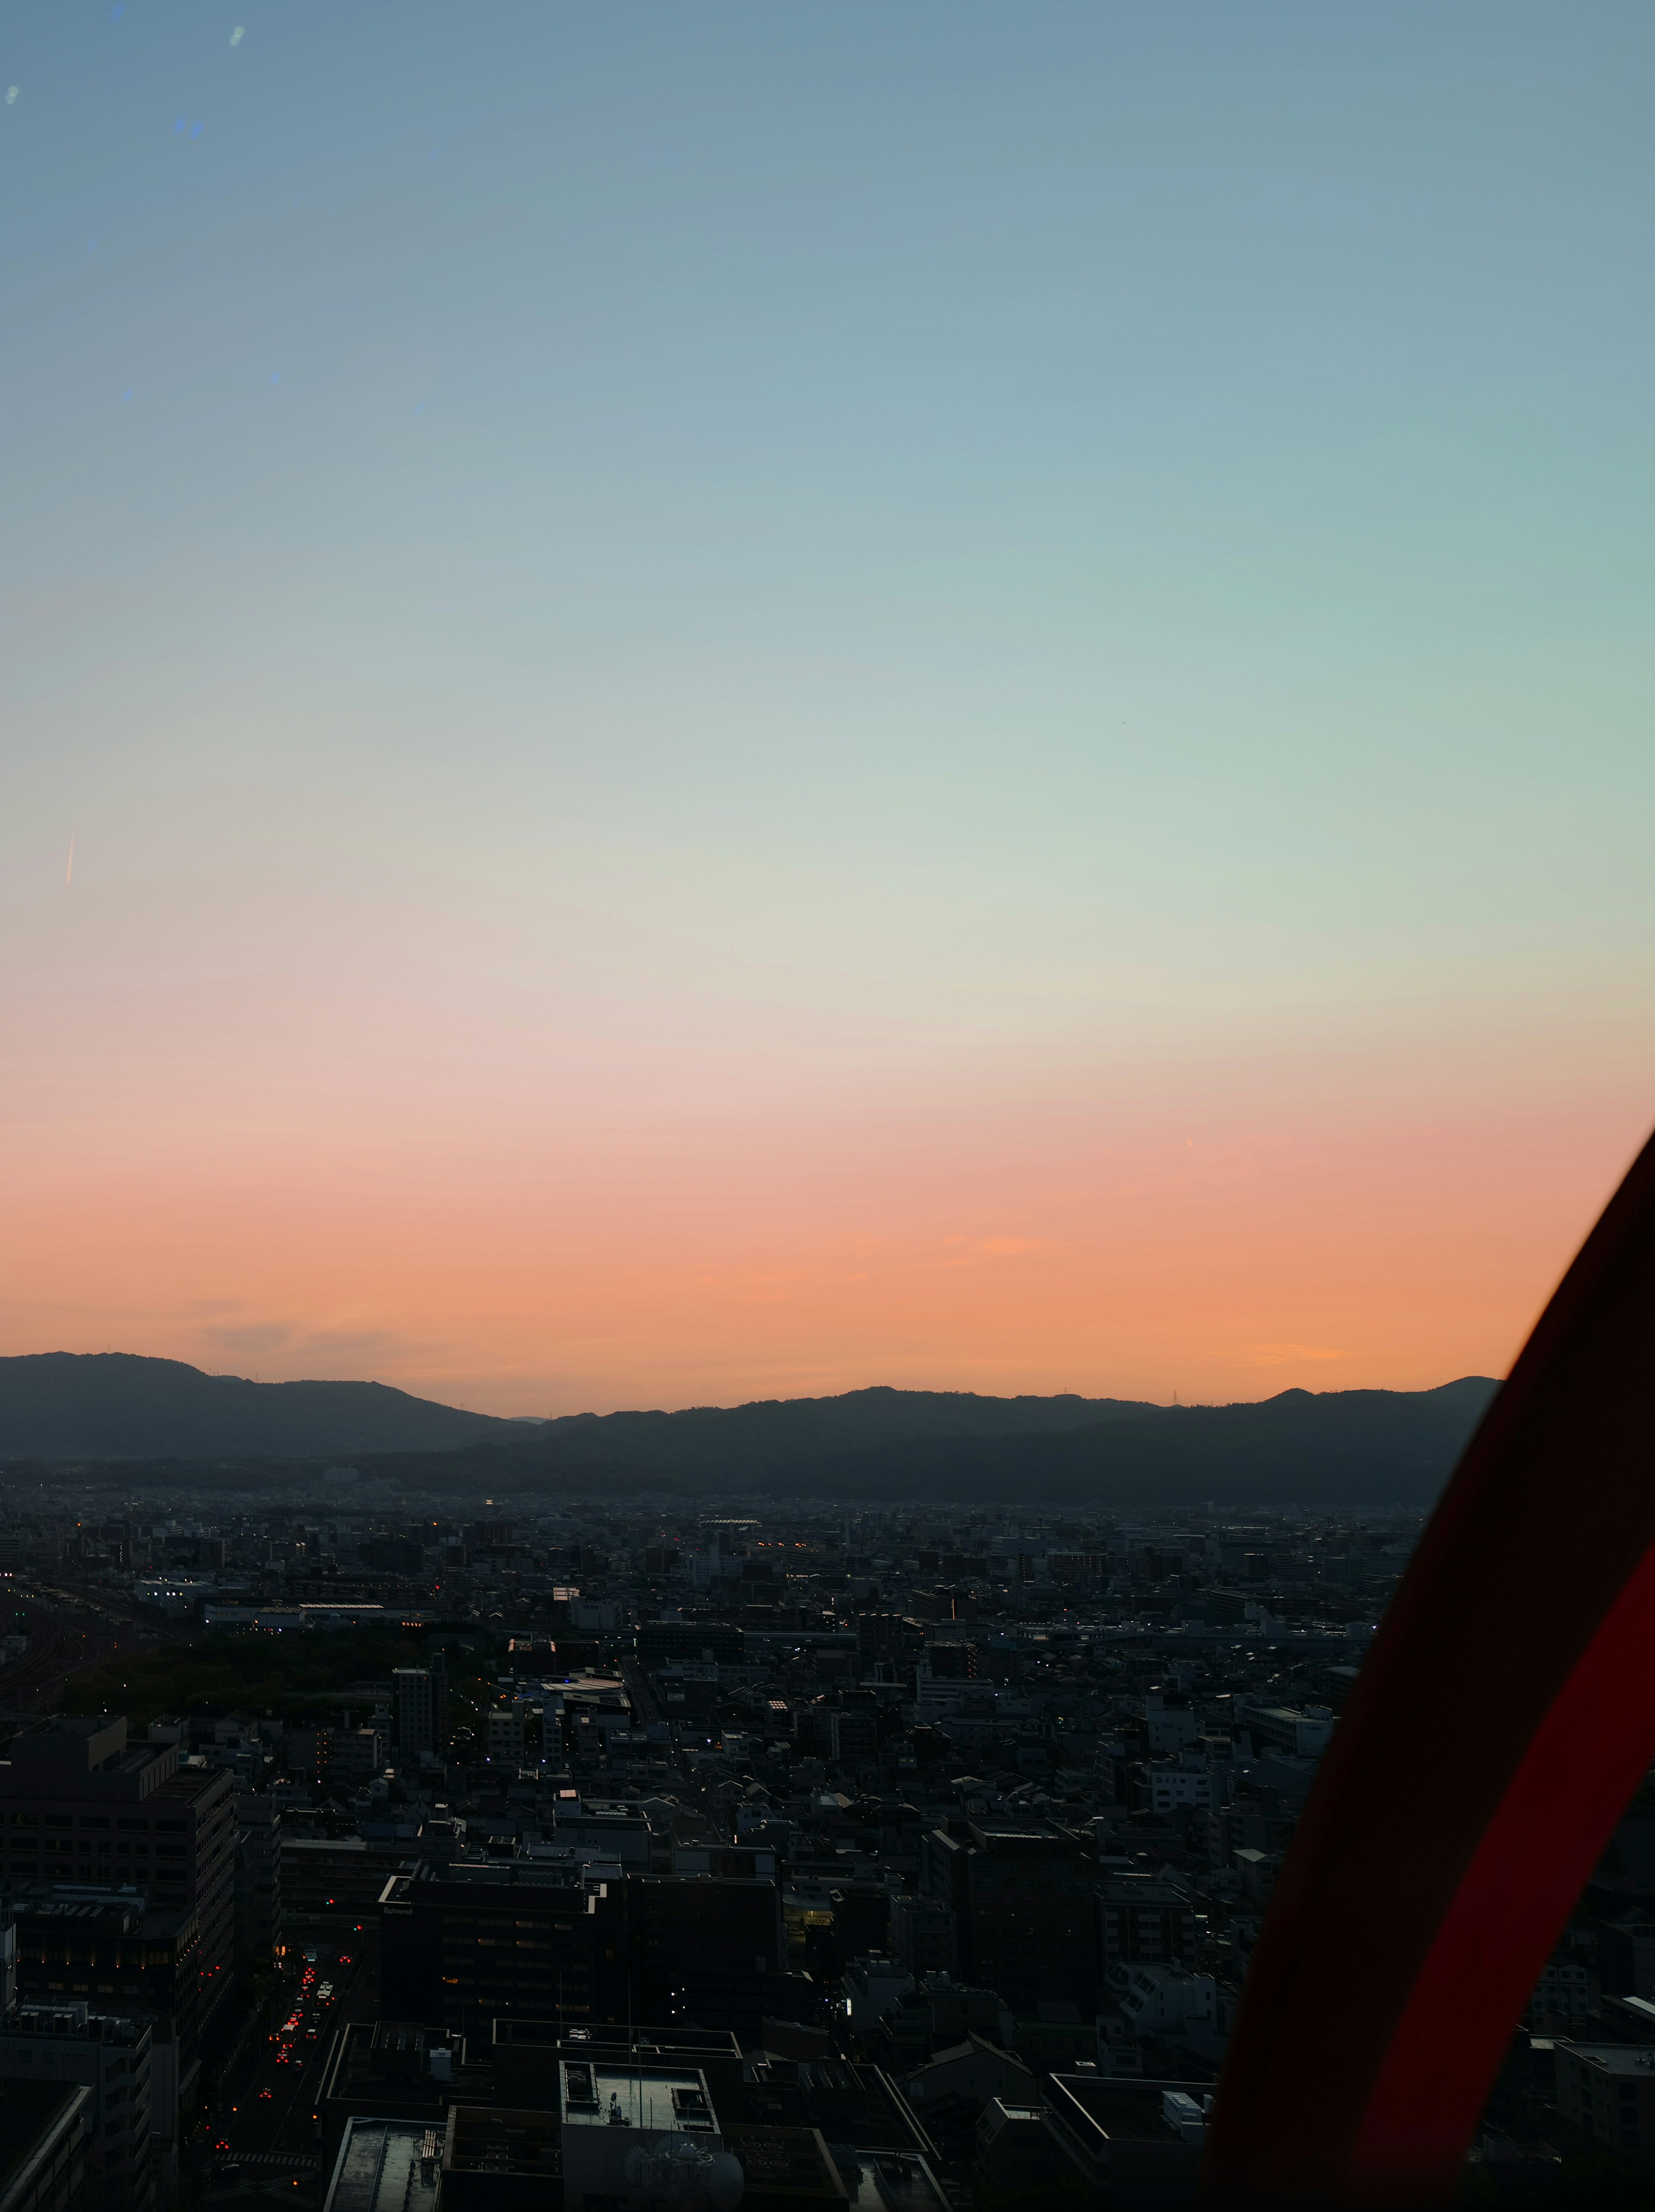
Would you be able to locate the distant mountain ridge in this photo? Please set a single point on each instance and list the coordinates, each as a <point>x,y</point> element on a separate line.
<point>1337,1446</point>
<point>1329,1448</point>
<point>119,1405</point>
<point>766,1429</point>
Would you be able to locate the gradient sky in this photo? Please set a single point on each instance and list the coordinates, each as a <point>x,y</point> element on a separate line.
<point>758,697</point>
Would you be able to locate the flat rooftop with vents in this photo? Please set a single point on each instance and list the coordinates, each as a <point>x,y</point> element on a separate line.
<point>386,2166</point>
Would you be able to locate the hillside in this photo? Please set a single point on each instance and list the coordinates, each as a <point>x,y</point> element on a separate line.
<point>1333,1448</point>
<point>772,1432</point>
<point>115,1404</point>
<point>1338,1447</point>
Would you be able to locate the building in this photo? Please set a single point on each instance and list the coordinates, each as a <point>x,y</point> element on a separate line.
<point>1284,1727</point>
<point>793,2170</point>
<point>922,1934</point>
<point>43,2147</point>
<point>103,1947</point>
<point>398,2070</point>
<point>497,2158</point>
<point>331,1878</point>
<point>81,1807</point>
<point>505,1737</point>
<point>1146,1920</point>
<point>1608,2091</point>
<point>386,2166</point>
<point>658,1642</point>
<point>853,1736</point>
<point>1017,2149</point>
<point>634,2135</point>
<point>613,1828</point>
<point>501,1937</point>
<point>421,1695</point>
<point>524,2053</point>
<point>1166,1728</point>
<point>1139,2140</point>
<point>258,1881</point>
<point>1161,2000</point>
<point>965,2076</point>
<point>65,2043</point>
<point>710,1951</point>
<point>356,1756</point>
<point>1626,1956</point>
<point>872,1987</point>
<point>1258,1871</point>
<point>307,1752</point>
<point>1567,1990</point>
<point>1024,1921</point>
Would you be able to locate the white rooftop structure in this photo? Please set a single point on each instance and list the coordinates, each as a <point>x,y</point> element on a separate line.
<point>638,2136</point>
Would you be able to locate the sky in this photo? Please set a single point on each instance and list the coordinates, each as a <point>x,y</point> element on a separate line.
<point>701,703</point>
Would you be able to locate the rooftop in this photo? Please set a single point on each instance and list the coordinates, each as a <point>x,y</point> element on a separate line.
<point>1634,2061</point>
<point>74,2023</point>
<point>32,2108</point>
<point>1123,2109</point>
<point>794,2162</point>
<point>386,2166</point>
<point>887,2181</point>
<point>491,2140</point>
<point>666,2099</point>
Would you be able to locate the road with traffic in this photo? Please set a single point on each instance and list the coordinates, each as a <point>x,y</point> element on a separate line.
<point>266,2120</point>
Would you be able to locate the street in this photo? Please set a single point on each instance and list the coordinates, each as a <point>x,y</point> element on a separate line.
<point>266,2120</point>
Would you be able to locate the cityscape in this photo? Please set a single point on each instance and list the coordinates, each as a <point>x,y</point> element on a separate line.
<point>918,1854</point>
<point>827,1205</point>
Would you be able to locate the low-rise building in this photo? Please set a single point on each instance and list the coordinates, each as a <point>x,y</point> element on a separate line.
<point>1608,2090</point>
<point>386,2166</point>
<point>1286,1728</point>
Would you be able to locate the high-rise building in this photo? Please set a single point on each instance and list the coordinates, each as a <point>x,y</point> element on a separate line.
<point>102,1947</point>
<point>81,1807</point>
<point>422,1708</point>
<point>1024,1913</point>
<point>258,1881</point>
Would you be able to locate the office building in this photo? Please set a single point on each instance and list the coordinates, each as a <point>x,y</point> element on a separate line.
<point>421,1695</point>
<point>68,2043</point>
<point>501,1937</point>
<point>258,1881</point>
<point>1024,1916</point>
<point>43,2147</point>
<point>81,1807</point>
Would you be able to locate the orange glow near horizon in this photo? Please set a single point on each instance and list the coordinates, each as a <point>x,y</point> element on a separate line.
<point>1222,1235</point>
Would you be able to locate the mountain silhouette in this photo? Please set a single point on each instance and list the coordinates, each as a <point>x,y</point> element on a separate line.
<point>117,1404</point>
<point>1339,1447</point>
<point>1334,1447</point>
